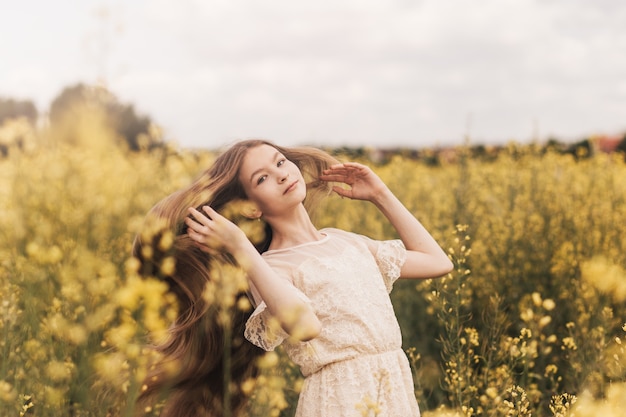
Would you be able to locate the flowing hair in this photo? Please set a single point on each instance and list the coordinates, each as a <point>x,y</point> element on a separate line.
<point>189,376</point>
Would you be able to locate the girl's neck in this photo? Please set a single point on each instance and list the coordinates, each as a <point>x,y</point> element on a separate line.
<point>296,229</point>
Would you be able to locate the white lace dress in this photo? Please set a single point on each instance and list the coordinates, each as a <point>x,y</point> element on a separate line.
<point>357,363</point>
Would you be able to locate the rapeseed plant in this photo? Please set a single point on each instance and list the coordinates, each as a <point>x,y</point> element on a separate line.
<point>531,322</point>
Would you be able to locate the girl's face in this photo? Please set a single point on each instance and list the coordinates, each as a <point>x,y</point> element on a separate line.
<point>271,181</point>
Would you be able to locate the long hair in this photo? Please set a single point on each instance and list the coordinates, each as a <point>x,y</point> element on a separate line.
<point>189,377</point>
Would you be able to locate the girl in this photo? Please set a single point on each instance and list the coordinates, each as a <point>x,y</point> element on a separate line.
<point>328,289</point>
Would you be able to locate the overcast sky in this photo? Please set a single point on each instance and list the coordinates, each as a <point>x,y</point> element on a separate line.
<point>333,72</point>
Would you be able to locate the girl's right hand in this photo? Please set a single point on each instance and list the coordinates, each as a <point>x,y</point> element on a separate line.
<point>213,232</point>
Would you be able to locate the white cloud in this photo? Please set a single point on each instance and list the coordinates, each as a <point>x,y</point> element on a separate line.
<point>353,71</point>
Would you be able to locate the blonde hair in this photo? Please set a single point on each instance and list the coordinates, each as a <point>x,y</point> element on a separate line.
<point>196,343</point>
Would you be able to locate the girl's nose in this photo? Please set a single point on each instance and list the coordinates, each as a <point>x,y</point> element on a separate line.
<point>284,177</point>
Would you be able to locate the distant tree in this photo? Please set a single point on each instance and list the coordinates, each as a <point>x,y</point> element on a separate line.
<point>621,147</point>
<point>554,145</point>
<point>484,153</point>
<point>12,109</point>
<point>581,149</point>
<point>135,129</point>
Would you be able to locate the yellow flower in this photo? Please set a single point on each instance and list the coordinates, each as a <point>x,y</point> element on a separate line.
<point>76,334</point>
<point>551,370</point>
<point>130,294</point>
<point>243,304</point>
<point>110,366</point>
<point>54,397</point>
<point>168,266</point>
<point>247,386</point>
<point>147,252</point>
<point>54,255</point>
<point>166,241</point>
<point>7,392</point>
<point>59,371</point>
<point>527,315</point>
<point>132,265</point>
<point>268,360</point>
<point>606,276</point>
<point>33,249</point>
<point>544,321</point>
<point>549,304</point>
<point>491,392</point>
<point>537,299</point>
<point>569,343</point>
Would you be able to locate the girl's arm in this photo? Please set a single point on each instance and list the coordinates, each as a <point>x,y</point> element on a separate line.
<point>425,258</point>
<point>213,232</point>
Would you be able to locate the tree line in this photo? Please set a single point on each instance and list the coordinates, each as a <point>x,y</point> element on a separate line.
<point>139,132</point>
<point>135,130</point>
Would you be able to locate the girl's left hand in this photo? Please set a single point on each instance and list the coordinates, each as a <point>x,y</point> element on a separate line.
<point>364,183</point>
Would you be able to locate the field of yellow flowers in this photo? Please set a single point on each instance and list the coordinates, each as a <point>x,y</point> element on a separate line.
<point>530,323</point>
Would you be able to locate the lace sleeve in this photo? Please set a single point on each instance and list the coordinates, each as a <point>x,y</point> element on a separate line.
<point>390,257</point>
<point>261,331</point>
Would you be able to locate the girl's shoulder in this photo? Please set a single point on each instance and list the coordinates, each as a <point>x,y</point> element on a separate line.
<point>355,239</point>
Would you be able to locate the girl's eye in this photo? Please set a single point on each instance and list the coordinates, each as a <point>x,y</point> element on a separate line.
<point>261,179</point>
<point>282,161</point>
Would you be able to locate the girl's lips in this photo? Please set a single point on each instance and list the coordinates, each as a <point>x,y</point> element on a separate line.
<point>291,186</point>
